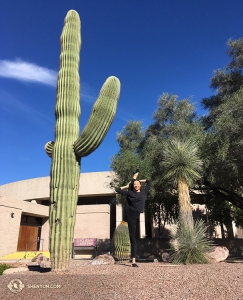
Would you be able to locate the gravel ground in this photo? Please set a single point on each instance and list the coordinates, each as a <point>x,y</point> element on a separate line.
<point>121,281</point>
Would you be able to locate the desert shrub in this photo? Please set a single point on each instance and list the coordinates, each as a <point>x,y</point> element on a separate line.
<point>4,267</point>
<point>190,244</point>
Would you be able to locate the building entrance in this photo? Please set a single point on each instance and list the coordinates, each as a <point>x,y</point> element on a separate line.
<point>28,238</point>
<point>29,233</point>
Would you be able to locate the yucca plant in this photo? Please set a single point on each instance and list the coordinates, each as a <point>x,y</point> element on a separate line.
<point>190,245</point>
<point>182,167</point>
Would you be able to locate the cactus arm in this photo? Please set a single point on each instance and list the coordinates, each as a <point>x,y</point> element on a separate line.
<point>101,117</point>
<point>49,148</point>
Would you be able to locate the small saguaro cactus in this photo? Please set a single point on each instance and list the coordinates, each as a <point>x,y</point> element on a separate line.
<point>121,242</point>
<point>68,148</point>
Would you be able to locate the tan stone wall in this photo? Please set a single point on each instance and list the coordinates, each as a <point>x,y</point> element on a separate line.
<point>96,183</point>
<point>27,189</point>
<point>9,227</point>
<point>45,235</point>
<point>92,221</point>
<point>35,209</point>
<point>239,233</point>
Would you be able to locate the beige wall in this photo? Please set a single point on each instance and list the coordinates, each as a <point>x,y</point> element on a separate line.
<point>92,221</point>
<point>35,209</point>
<point>9,227</point>
<point>96,183</point>
<point>45,235</point>
<point>239,232</point>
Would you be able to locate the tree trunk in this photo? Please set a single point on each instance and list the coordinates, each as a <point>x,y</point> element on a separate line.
<point>222,226</point>
<point>185,203</point>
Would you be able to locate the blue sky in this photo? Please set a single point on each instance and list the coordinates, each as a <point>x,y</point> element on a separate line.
<point>152,46</point>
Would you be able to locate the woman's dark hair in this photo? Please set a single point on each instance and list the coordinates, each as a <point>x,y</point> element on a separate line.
<point>130,188</point>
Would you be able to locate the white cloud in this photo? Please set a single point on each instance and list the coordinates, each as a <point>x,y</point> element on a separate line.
<point>25,71</point>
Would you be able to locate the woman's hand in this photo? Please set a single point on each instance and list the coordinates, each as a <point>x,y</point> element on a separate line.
<point>125,186</point>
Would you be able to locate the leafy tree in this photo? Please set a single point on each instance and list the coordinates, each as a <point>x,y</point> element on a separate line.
<point>220,214</point>
<point>144,148</point>
<point>162,209</point>
<point>130,155</point>
<point>225,81</point>
<point>222,150</point>
<point>175,118</point>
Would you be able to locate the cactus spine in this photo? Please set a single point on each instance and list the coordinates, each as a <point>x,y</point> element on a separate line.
<point>69,147</point>
<point>122,242</point>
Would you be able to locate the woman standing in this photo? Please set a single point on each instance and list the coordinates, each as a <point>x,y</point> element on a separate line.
<point>134,206</point>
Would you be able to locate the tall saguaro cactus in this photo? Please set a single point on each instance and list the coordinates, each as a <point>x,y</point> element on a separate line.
<point>68,148</point>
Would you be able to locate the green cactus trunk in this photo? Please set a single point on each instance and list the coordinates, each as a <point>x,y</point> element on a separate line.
<point>121,241</point>
<point>69,147</point>
<point>65,170</point>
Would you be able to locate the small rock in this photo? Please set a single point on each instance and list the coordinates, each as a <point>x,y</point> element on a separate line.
<point>219,254</point>
<point>166,257</point>
<point>40,260</point>
<point>103,260</point>
<point>15,270</point>
<point>45,263</point>
<point>36,257</point>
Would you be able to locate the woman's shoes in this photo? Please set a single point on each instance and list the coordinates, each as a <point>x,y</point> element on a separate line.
<point>134,265</point>
<point>136,171</point>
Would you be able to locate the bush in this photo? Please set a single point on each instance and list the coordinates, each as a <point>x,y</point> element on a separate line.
<point>4,267</point>
<point>190,244</point>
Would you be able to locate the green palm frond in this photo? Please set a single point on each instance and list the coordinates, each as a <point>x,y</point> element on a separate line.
<point>181,161</point>
<point>190,245</point>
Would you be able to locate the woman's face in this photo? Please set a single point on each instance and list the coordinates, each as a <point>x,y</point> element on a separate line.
<point>137,185</point>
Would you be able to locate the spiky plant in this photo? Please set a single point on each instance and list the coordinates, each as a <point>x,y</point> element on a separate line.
<point>68,148</point>
<point>190,245</point>
<point>121,242</point>
<point>182,167</point>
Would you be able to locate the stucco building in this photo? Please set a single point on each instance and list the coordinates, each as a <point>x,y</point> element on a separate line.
<point>24,213</point>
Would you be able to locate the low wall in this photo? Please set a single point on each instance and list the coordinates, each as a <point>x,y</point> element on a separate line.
<point>150,248</point>
<point>235,246</point>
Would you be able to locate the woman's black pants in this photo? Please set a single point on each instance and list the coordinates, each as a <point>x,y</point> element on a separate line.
<point>132,216</point>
